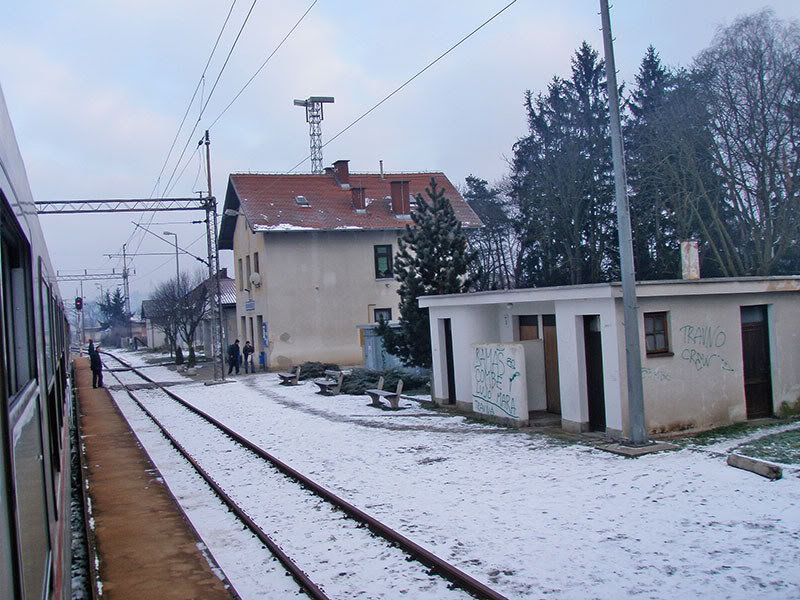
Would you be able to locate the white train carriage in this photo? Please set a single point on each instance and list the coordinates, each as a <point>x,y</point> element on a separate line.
<point>35,396</point>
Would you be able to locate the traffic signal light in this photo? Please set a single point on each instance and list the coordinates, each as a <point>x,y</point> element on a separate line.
<point>78,303</point>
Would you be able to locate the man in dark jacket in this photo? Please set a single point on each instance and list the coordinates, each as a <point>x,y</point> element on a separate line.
<point>234,356</point>
<point>247,351</point>
<point>97,368</point>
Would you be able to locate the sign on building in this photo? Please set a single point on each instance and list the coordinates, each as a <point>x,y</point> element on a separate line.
<point>499,385</point>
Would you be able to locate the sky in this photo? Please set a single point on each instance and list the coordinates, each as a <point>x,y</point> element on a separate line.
<point>97,91</point>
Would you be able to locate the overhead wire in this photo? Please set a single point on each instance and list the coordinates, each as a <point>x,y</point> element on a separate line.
<point>201,82</point>
<point>264,64</point>
<point>211,92</point>
<point>200,85</point>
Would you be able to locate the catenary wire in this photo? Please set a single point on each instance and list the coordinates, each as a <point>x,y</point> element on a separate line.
<point>201,82</point>
<point>211,93</point>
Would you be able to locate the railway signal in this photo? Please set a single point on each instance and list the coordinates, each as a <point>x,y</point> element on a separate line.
<point>78,303</point>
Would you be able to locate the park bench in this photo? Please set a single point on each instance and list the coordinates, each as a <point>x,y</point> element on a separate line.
<point>331,384</point>
<point>290,377</point>
<point>379,394</point>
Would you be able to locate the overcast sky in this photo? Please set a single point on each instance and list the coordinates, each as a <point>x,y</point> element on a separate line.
<point>97,90</point>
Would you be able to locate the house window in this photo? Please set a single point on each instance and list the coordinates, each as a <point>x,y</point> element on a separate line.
<point>247,263</point>
<point>255,262</point>
<point>241,276</point>
<point>528,327</point>
<point>383,315</point>
<point>655,333</point>
<point>383,261</point>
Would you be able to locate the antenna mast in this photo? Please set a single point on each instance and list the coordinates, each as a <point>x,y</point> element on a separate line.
<point>313,106</point>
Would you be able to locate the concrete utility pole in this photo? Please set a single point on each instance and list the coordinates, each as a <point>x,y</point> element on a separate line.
<point>213,271</point>
<point>638,433</point>
<point>314,116</point>
<point>127,291</point>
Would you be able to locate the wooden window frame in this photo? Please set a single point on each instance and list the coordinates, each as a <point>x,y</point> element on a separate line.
<point>660,317</point>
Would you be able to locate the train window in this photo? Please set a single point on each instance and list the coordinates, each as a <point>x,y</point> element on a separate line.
<point>47,346</point>
<point>18,350</point>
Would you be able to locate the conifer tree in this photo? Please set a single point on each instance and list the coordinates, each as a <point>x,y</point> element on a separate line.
<point>432,258</point>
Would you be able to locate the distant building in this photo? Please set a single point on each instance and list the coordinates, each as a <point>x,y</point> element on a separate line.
<point>227,306</point>
<point>314,256</point>
<point>714,352</point>
<point>154,336</point>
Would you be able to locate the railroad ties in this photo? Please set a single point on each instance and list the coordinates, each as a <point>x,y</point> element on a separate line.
<point>328,546</point>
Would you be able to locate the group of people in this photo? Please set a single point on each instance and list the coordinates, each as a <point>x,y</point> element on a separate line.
<point>96,365</point>
<point>236,355</point>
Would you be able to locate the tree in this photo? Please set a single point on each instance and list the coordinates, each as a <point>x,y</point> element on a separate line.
<point>432,258</point>
<point>656,245</point>
<point>496,243</point>
<point>562,180</point>
<point>752,90</point>
<point>179,306</point>
<point>114,318</point>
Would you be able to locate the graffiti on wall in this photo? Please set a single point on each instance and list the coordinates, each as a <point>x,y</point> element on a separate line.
<point>703,347</point>
<point>659,375</point>
<point>498,380</point>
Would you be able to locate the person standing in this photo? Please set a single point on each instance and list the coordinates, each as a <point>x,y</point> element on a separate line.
<point>234,356</point>
<point>97,367</point>
<point>91,347</point>
<point>247,352</point>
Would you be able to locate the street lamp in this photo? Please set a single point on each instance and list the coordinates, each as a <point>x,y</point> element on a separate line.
<point>177,263</point>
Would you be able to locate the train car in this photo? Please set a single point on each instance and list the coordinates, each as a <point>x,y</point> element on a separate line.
<point>35,396</point>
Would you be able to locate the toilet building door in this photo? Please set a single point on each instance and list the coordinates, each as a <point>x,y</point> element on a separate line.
<point>594,372</point>
<point>756,362</point>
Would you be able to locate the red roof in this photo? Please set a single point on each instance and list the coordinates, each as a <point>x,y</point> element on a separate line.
<point>269,202</point>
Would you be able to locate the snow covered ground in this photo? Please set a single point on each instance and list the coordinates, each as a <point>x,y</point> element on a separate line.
<point>529,515</point>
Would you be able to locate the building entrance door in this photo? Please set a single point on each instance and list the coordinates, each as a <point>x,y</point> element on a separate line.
<point>551,384</point>
<point>594,372</point>
<point>756,362</point>
<point>448,353</point>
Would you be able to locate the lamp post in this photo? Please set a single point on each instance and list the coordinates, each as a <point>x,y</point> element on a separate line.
<point>177,263</point>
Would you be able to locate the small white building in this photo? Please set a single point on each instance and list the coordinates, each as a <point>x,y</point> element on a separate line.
<point>714,352</point>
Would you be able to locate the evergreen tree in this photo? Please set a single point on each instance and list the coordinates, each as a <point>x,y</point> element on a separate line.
<point>112,309</point>
<point>432,258</point>
<point>562,180</point>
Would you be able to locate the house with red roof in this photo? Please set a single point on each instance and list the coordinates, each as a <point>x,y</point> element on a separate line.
<point>313,256</point>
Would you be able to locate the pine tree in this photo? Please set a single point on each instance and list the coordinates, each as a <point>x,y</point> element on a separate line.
<point>432,258</point>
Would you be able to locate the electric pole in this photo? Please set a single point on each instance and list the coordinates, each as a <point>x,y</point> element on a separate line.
<point>633,356</point>
<point>213,270</point>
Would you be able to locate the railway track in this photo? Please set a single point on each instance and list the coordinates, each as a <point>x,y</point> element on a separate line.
<point>331,548</point>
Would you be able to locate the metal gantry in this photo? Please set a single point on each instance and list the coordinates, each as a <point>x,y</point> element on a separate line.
<point>314,116</point>
<point>208,204</point>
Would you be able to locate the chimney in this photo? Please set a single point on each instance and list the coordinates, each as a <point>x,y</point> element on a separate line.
<point>359,199</point>
<point>381,163</point>
<point>400,205</point>
<point>690,260</point>
<point>342,173</point>
<point>328,170</point>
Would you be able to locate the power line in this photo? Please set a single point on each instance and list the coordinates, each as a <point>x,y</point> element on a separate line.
<point>211,93</point>
<point>413,77</point>
<point>200,83</point>
<point>264,64</point>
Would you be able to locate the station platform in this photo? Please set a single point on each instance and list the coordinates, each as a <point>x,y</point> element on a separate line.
<point>141,545</point>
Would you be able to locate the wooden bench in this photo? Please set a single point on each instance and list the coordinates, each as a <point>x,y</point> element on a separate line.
<point>290,377</point>
<point>378,394</point>
<point>331,384</point>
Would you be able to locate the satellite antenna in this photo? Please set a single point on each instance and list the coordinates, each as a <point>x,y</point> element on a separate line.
<point>313,107</point>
